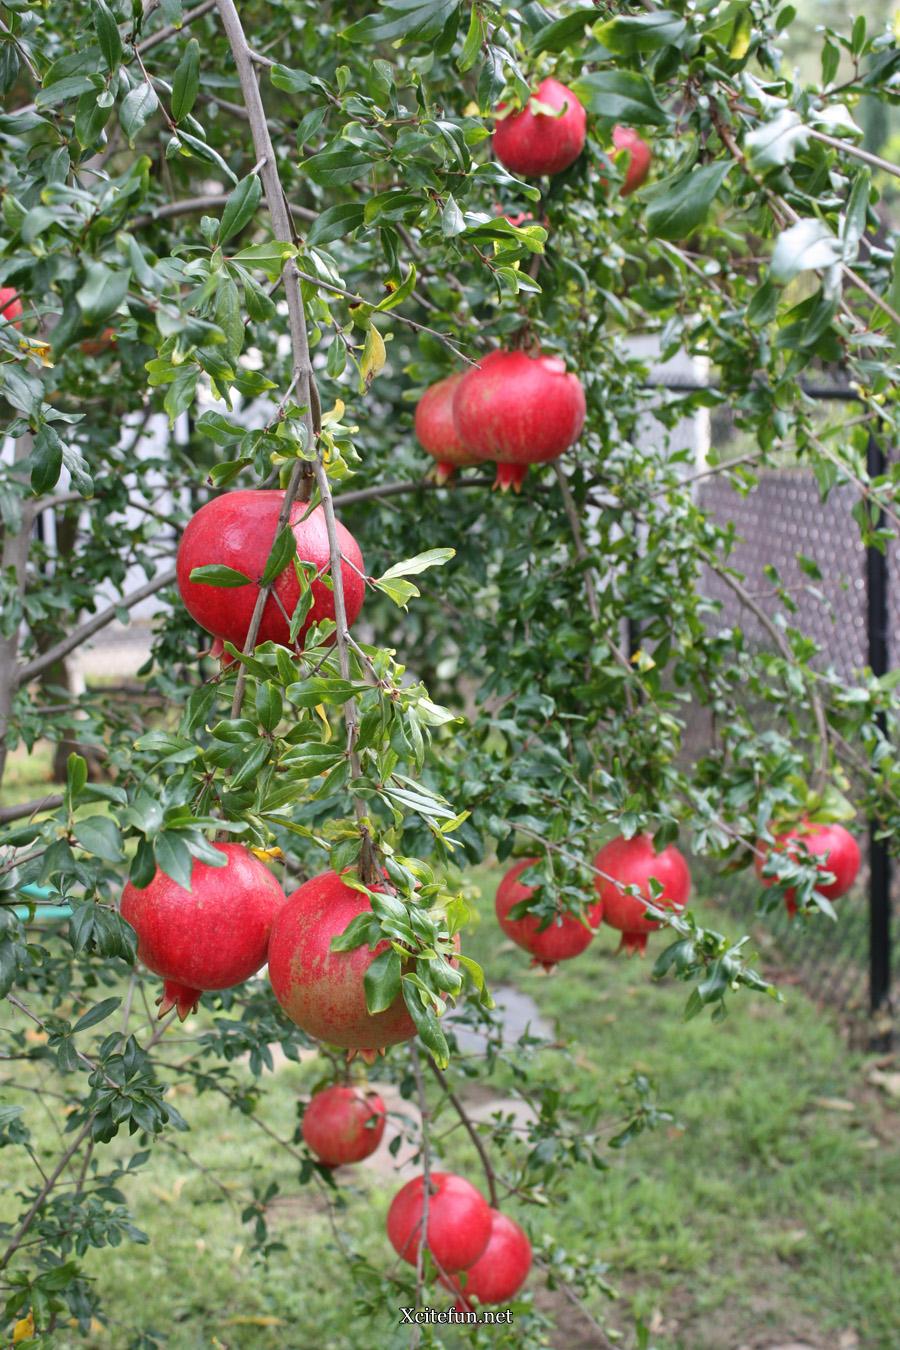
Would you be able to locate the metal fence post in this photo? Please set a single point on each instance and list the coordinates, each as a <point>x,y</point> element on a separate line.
<point>878,637</point>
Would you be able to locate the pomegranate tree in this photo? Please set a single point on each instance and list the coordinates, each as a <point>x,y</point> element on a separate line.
<point>321,990</point>
<point>518,409</point>
<point>436,430</point>
<point>501,1269</point>
<point>564,937</point>
<point>832,843</point>
<point>212,936</point>
<point>236,531</point>
<point>633,862</point>
<point>545,139</point>
<point>459,1221</point>
<point>344,1124</point>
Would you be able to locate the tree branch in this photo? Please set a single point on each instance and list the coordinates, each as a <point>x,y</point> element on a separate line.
<point>87,630</point>
<point>489,1174</point>
<point>300,482</point>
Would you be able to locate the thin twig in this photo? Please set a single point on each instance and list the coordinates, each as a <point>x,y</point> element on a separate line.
<point>466,1121</point>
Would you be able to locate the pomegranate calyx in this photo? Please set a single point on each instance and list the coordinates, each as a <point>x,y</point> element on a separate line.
<point>180,997</point>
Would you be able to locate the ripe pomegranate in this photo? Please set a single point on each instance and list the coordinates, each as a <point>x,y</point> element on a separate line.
<point>534,143</point>
<point>237,530</point>
<point>98,345</point>
<point>632,862</point>
<point>501,1269</point>
<point>459,1221</point>
<point>565,937</point>
<point>518,410</point>
<point>835,845</point>
<point>321,990</point>
<point>10,304</point>
<point>344,1124</point>
<point>624,138</point>
<point>211,937</point>
<point>436,431</point>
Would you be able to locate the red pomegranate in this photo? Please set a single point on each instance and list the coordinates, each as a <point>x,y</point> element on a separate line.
<point>835,845</point>
<point>10,304</point>
<point>534,143</point>
<point>321,990</point>
<point>565,937</point>
<point>436,431</point>
<point>625,139</point>
<point>237,530</point>
<point>632,862</point>
<point>344,1124</point>
<point>501,1269</point>
<point>518,410</point>
<point>211,937</point>
<point>459,1221</point>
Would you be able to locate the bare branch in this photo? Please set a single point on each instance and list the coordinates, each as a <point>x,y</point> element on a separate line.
<point>87,630</point>
<point>465,1119</point>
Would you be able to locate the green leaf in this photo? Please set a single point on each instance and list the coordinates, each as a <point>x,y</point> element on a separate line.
<point>269,257</point>
<point>283,552</point>
<point>562,33</point>
<point>100,835</point>
<point>186,81</point>
<point>174,858</point>
<point>401,592</point>
<point>808,244</point>
<point>215,574</point>
<point>46,461</point>
<point>138,106</point>
<point>627,35</point>
<point>107,35</point>
<point>102,291</point>
<point>240,207</point>
<point>269,705</point>
<point>434,557</point>
<point>340,166</point>
<point>335,223</point>
<point>621,96</point>
<point>382,981</point>
<point>406,19</point>
<point>854,225</point>
<point>427,1025</point>
<point>97,1014</point>
<point>776,142</point>
<point>76,775</point>
<point>676,208</point>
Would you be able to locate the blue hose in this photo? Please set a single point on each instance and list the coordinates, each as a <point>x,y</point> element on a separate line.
<point>43,912</point>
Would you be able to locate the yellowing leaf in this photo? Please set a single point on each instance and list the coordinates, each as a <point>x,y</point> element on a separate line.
<point>249,1321</point>
<point>334,414</point>
<point>268,854</point>
<point>24,1329</point>
<point>326,736</point>
<point>38,351</point>
<point>471,110</point>
<point>374,355</point>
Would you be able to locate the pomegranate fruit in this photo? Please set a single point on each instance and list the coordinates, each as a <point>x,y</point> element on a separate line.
<point>211,937</point>
<point>459,1221</point>
<point>625,139</point>
<point>237,530</point>
<point>436,431</point>
<point>533,143</point>
<point>832,843</point>
<point>501,1269</point>
<point>518,410</point>
<point>344,1124</point>
<point>10,304</point>
<point>320,990</point>
<point>632,862</point>
<point>566,936</point>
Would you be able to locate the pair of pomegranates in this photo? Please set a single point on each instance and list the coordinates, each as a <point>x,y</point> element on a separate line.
<point>513,407</point>
<point>235,918</point>
<point>481,1255</point>
<point>532,142</point>
<point>621,862</point>
<point>633,862</point>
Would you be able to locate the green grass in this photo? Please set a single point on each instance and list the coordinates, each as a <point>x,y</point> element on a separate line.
<point>767,1215</point>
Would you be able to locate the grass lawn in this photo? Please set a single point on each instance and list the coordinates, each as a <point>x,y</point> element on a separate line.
<point>767,1216</point>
